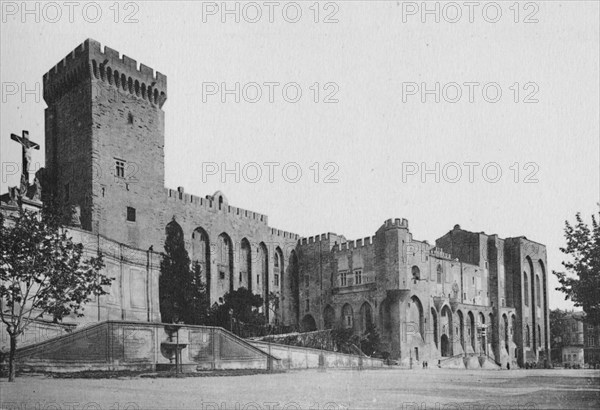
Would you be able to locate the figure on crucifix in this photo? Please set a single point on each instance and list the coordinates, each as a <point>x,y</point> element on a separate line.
<point>27,145</point>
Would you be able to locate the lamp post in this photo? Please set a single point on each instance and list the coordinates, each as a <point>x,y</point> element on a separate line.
<point>177,351</point>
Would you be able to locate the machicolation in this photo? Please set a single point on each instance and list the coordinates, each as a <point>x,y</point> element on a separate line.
<point>89,61</point>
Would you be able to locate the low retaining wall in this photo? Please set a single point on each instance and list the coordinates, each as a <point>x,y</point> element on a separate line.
<point>37,332</point>
<point>296,357</point>
<point>123,345</point>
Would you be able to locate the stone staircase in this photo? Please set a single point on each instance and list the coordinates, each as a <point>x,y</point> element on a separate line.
<point>142,346</point>
<point>469,361</point>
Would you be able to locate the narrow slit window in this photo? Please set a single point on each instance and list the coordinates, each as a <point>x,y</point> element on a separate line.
<point>131,214</point>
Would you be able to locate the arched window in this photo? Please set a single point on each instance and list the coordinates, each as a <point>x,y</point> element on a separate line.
<point>505,325</point>
<point>447,331</point>
<point>472,329</point>
<point>366,316</point>
<point>329,317</point>
<point>526,289</point>
<point>416,273</point>
<point>348,316</point>
<point>416,318</point>
<point>294,285</point>
<point>527,337</point>
<point>308,324</point>
<point>538,291</point>
<point>225,259</point>
<point>513,328</point>
<point>461,328</point>
<point>277,267</point>
<point>439,274</point>
<point>245,264</point>
<point>262,277</point>
<point>434,324</point>
<point>201,254</point>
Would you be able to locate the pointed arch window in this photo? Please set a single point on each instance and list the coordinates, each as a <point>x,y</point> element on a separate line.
<point>538,290</point>
<point>276,269</point>
<point>416,273</point>
<point>526,289</point>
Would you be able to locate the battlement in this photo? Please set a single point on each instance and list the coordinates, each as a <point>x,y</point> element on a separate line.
<point>318,238</point>
<point>396,223</point>
<point>88,60</point>
<point>284,234</point>
<point>439,252</point>
<point>209,203</point>
<point>359,243</point>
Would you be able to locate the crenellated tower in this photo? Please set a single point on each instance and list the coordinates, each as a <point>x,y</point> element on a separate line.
<point>105,139</point>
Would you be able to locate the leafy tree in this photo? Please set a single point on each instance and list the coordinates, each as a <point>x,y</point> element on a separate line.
<point>581,286</point>
<point>42,272</point>
<point>242,306</point>
<point>343,338</point>
<point>273,303</point>
<point>559,334</point>
<point>183,295</point>
<point>369,342</point>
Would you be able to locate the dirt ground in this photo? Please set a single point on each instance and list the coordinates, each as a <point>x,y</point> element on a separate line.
<point>311,389</point>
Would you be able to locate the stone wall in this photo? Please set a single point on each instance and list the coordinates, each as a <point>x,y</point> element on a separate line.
<point>296,357</point>
<point>133,294</point>
<point>526,263</point>
<point>37,332</point>
<point>214,222</point>
<point>125,345</point>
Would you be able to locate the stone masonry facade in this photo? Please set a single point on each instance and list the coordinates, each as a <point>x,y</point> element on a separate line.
<point>471,294</point>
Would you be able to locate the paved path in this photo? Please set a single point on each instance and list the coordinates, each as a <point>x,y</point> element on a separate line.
<point>334,389</point>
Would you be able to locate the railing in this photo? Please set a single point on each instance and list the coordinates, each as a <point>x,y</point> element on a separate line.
<point>464,355</point>
<point>493,359</point>
<point>366,278</point>
<point>245,330</point>
<point>367,282</point>
<point>456,356</point>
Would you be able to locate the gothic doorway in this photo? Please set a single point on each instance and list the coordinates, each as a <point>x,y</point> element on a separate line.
<point>308,324</point>
<point>445,344</point>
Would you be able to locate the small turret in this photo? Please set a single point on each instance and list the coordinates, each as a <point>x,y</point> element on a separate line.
<point>395,223</point>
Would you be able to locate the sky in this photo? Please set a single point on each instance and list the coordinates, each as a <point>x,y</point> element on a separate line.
<point>350,113</point>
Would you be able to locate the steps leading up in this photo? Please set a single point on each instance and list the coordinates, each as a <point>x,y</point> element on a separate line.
<point>142,346</point>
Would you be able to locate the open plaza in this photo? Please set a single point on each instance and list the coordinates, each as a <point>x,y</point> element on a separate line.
<point>390,388</point>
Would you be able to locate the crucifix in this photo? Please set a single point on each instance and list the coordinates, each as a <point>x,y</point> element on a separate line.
<point>27,145</point>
